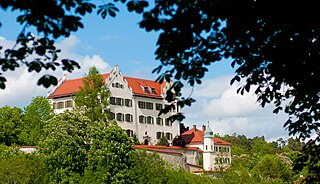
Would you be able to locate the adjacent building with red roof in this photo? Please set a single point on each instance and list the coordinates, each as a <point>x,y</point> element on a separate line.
<point>216,152</point>
<point>134,103</point>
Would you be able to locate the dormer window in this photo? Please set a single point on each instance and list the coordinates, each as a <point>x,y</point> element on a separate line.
<point>146,90</point>
<point>153,91</point>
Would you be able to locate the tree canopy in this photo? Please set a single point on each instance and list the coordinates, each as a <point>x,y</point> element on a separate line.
<point>93,96</point>
<point>52,20</point>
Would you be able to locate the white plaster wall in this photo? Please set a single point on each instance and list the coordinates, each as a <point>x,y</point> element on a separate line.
<point>124,93</point>
<point>152,129</point>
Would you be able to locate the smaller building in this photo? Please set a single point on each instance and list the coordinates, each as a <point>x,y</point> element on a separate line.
<point>216,152</point>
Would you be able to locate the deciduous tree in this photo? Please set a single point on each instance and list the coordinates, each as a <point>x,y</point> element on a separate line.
<point>36,49</point>
<point>74,145</point>
<point>10,125</point>
<point>93,96</point>
<point>34,117</point>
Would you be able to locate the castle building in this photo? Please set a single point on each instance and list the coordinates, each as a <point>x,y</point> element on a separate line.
<point>134,104</point>
<point>216,152</point>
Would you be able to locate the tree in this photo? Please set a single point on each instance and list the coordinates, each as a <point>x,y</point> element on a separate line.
<point>34,117</point>
<point>73,145</point>
<point>163,141</point>
<point>37,50</point>
<point>275,53</point>
<point>271,167</point>
<point>178,141</point>
<point>10,125</point>
<point>93,96</point>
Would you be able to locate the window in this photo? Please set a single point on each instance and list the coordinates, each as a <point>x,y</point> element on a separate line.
<point>129,118</point>
<point>60,105</point>
<point>54,105</point>
<point>215,149</point>
<point>150,120</point>
<point>168,122</point>
<point>206,147</point>
<point>121,86</point>
<point>159,121</point>
<point>112,115</point>
<point>119,101</point>
<point>129,133</point>
<point>141,104</point>
<point>168,106</point>
<point>227,160</point>
<point>141,119</point>
<point>112,100</point>
<point>211,147</point>
<point>146,90</point>
<point>117,85</point>
<point>149,105</point>
<point>120,117</point>
<point>169,135</point>
<point>158,106</point>
<point>69,104</point>
<point>153,91</point>
<point>228,150</point>
<point>219,149</point>
<point>158,134</point>
<point>128,102</point>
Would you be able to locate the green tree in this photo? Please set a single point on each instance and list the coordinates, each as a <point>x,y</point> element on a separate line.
<point>10,125</point>
<point>274,53</point>
<point>18,167</point>
<point>163,141</point>
<point>178,141</point>
<point>74,145</point>
<point>270,167</point>
<point>93,96</point>
<point>34,117</point>
<point>60,19</point>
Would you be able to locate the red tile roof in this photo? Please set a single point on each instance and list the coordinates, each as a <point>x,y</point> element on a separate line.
<point>167,147</point>
<point>195,136</point>
<point>69,87</point>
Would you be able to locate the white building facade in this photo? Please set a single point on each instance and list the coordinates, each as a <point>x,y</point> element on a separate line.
<point>134,104</point>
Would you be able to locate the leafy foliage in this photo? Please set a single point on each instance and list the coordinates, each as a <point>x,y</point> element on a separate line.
<point>34,117</point>
<point>74,145</point>
<point>60,19</point>
<point>163,141</point>
<point>178,141</point>
<point>93,96</point>
<point>10,125</point>
<point>275,56</point>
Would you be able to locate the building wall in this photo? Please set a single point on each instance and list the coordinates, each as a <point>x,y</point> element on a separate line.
<point>119,88</point>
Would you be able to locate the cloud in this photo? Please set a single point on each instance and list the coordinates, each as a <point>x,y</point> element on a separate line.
<point>229,112</point>
<point>21,85</point>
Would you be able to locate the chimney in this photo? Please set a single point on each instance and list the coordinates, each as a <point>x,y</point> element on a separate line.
<point>203,128</point>
<point>195,128</point>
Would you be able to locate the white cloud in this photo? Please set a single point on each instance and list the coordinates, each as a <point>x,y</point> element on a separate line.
<point>21,85</point>
<point>229,112</point>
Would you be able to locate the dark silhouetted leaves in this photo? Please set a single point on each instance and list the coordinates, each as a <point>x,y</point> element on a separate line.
<point>69,65</point>
<point>47,80</point>
<point>107,9</point>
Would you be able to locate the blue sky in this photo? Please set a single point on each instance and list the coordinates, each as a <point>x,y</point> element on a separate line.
<point>107,42</point>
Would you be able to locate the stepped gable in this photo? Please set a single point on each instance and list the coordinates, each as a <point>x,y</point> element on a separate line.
<point>195,136</point>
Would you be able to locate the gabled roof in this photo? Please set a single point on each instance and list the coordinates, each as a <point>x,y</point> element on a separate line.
<point>195,136</point>
<point>69,87</point>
